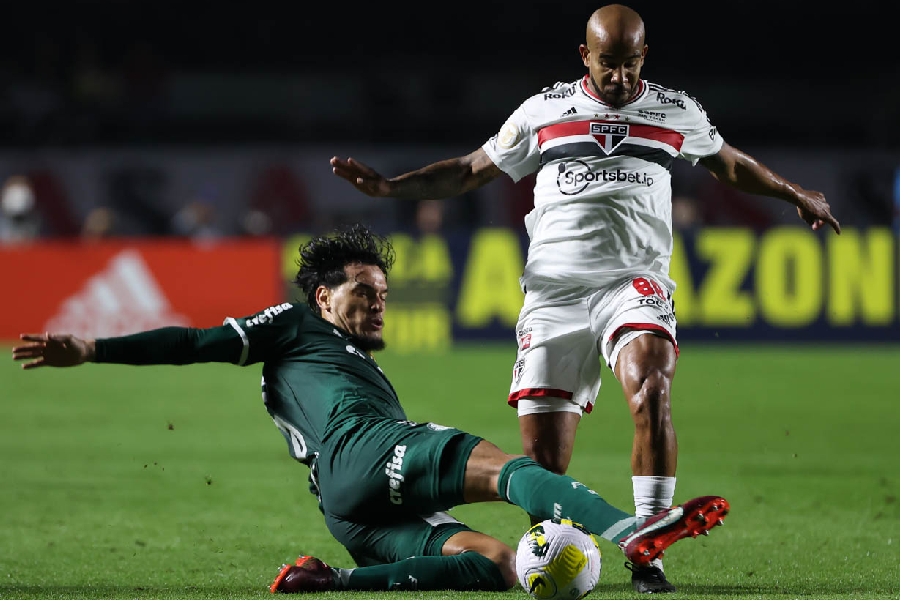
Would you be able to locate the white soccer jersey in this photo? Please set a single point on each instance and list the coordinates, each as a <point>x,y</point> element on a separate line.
<point>603,195</point>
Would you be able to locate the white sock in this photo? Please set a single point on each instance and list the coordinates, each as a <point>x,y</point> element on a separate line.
<point>652,494</point>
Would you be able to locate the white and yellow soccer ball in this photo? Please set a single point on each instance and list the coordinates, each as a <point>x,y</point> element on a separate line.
<point>558,559</point>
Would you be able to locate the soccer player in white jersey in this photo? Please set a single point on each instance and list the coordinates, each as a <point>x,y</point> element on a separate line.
<point>596,278</point>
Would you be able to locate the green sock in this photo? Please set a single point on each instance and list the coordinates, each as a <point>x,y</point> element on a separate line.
<point>546,495</point>
<point>466,571</point>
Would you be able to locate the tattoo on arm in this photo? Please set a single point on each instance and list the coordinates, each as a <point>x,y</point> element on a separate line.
<point>447,178</point>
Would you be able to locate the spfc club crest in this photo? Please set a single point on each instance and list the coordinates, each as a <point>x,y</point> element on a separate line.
<point>518,370</point>
<point>609,135</point>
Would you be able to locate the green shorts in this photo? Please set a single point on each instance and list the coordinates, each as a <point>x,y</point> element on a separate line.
<point>385,483</point>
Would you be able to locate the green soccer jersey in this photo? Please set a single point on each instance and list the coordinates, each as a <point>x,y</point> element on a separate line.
<point>317,384</point>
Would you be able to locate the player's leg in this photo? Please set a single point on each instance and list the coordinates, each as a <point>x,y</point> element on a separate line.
<point>548,437</point>
<point>638,343</point>
<point>556,377</point>
<point>384,500</point>
<point>645,368</point>
<point>636,328</point>
<point>491,474</point>
<point>435,552</point>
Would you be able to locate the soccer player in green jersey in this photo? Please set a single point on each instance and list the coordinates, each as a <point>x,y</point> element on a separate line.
<point>382,481</point>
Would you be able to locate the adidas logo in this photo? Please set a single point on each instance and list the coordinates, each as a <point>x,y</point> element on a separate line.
<point>123,298</point>
<point>571,111</point>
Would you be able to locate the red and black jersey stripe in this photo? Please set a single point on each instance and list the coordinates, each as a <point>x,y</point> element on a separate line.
<point>582,148</point>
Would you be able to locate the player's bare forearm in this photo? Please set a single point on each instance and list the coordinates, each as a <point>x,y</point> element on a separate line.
<point>446,178</point>
<point>743,172</point>
<point>443,179</point>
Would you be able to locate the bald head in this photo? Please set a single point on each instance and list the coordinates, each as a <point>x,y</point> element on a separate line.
<point>614,52</point>
<point>615,26</point>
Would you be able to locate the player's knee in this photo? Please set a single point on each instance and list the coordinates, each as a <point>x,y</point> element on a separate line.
<point>505,560</point>
<point>548,456</point>
<point>650,404</point>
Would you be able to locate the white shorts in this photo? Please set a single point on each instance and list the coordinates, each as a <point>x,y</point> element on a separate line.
<point>561,338</point>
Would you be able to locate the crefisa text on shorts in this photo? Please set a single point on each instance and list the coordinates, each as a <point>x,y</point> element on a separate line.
<point>393,470</point>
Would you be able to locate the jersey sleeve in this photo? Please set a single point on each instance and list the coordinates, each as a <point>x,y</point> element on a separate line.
<point>240,341</point>
<point>702,138</point>
<point>266,334</point>
<point>515,147</point>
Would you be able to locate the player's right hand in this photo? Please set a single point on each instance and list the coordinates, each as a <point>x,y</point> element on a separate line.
<point>363,178</point>
<point>815,210</point>
<point>56,350</point>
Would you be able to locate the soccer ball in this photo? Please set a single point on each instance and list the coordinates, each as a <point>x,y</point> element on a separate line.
<point>558,559</point>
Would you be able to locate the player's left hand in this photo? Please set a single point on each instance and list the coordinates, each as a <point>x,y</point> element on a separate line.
<point>53,350</point>
<point>813,209</point>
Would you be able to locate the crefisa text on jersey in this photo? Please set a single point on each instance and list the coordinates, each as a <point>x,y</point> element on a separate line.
<point>268,315</point>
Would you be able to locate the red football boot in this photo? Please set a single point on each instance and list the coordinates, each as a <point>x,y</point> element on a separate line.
<point>667,527</point>
<point>309,574</point>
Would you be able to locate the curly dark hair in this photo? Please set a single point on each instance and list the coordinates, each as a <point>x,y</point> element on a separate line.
<point>323,258</point>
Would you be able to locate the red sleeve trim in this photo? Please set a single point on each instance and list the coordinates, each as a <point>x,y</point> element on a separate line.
<point>645,327</point>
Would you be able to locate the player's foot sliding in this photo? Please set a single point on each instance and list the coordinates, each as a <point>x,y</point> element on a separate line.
<point>662,530</point>
<point>649,580</point>
<point>308,575</point>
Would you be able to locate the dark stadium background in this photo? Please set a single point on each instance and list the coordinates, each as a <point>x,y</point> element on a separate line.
<point>782,73</point>
<point>215,121</point>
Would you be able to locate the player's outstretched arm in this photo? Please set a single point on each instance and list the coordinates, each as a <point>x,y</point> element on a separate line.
<point>745,173</point>
<point>443,179</point>
<point>163,346</point>
<point>53,350</point>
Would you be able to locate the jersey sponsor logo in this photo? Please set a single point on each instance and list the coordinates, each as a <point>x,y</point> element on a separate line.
<point>609,135</point>
<point>575,176</point>
<point>651,301</point>
<point>121,299</point>
<point>268,315</point>
<point>650,115</point>
<point>524,336</point>
<point>663,99</point>
<point>561,93</point>
<point>712,133</point>
<point>508,135</point>
<point>393,469</point>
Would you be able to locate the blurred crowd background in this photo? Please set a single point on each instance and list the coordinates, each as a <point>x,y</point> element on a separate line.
<point>198,119</point>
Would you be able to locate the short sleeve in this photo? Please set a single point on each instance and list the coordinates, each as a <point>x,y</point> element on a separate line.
<point>268,333</point>
<point>702,138</point>
<point>515,147</point>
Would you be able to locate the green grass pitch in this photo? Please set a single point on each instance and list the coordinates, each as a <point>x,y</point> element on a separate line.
<point>172,482</point>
